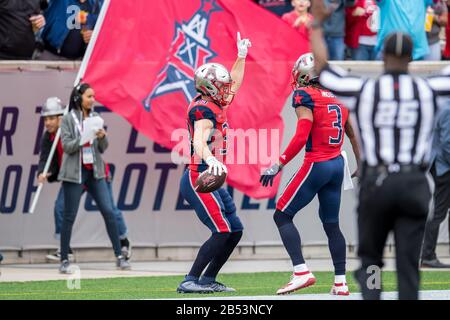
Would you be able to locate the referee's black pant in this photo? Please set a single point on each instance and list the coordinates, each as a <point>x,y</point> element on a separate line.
<point>395,202</point>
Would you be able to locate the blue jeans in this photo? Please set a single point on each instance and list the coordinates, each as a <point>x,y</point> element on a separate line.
<point>336,48</point>
<point>120,221</point>
<point>59,212</point>
<point>98,189</point>
<point>364,52</point>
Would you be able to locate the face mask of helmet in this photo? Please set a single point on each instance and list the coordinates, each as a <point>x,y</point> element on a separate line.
<point>214,80</point>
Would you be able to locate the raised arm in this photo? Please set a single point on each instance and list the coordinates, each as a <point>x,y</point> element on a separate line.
<point>318,46</point>
<point>237,71</point>
<point>332,78</point>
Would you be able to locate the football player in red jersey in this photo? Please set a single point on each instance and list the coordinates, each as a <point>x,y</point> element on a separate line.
<point>207,125</point>
<point>322,121</point>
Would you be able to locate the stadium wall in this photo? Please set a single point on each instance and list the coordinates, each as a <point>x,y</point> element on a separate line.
<point>145,184</point>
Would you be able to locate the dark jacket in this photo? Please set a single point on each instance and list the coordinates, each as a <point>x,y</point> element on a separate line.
<point>46,145</point>
<point>334,26</point>
<point>56,16</point>
<point>17,40</point>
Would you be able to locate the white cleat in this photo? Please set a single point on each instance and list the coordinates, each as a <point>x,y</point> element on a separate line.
<point>299,281</point>
<point>340,289</point>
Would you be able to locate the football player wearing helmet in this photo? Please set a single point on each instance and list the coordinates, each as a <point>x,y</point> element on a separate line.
<point>207,125</point>
<point>321,123</point>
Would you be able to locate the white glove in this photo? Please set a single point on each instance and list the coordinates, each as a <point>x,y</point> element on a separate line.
<point>242,46</point>
<point>215,166</point>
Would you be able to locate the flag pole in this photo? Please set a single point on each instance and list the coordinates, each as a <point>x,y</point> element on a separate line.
<point>79,76</point>
<point>91,45</point>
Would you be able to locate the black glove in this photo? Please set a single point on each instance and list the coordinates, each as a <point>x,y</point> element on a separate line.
<point>269,175</point>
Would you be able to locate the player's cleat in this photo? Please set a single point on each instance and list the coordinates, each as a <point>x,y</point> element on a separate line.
<point>126,248</point>
<point>65,267</point>
<point>194,287</point>
<point>220,287</point>
<point>57,255</point>
<point>340,289</point>
<point>122,263</point>
<point>298,281</point>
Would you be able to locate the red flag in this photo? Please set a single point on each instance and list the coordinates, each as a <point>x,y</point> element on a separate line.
<point>144,58</point>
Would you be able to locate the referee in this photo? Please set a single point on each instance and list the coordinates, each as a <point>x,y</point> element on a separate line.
<point>394,116</point>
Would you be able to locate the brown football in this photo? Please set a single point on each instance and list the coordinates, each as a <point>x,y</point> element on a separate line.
<point>207,182</point>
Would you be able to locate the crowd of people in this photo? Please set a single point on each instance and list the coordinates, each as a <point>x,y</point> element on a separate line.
<point>46,29</point>
<point>356,28</point>
<point>61,30</point>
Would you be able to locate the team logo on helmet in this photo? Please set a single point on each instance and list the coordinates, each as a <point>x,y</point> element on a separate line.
<point>189,50</point>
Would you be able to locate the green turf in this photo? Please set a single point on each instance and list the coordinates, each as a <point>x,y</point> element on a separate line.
<point>164,287</point>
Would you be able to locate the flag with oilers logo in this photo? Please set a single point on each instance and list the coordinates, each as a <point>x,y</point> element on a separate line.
<point>143,61</point>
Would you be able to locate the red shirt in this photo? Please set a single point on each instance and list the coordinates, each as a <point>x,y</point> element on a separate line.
<point>447,37</point>
<point>356,26</point>
<point>303,28</point>
<point>59,148</point>
<point>201,109</point>
<point>328,129</point>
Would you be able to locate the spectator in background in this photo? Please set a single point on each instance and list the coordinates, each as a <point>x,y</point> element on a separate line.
<point>52,113</point>
<point>438,13</point>
<point>279,7</point>
<point>404,16</point>
<point>360,35</point>
<point>440,170</point>
<point>60,41</point>
<point>447,36</point>
<point>83,167</point>
<point>1,257</point>
<point>334,28</point>
<point>299,18</point>
<point>20,20</point>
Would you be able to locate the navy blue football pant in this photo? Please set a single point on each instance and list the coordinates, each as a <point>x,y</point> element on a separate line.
<point>314,178</point>
<point>217,211</point>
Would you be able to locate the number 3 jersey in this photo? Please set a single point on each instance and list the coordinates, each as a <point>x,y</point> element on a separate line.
<point>201,109</point>
<point>327,132</point>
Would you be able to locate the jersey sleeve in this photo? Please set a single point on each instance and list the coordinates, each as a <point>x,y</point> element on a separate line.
<point>302,98</point>
<point>441,83</point>
<point>200,113</point>
<point>339,82</point>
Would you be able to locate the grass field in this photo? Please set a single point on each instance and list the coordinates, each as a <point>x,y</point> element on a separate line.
<point>247,284</point>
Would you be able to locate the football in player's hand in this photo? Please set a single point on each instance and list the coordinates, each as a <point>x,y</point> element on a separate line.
<point>207,182</point>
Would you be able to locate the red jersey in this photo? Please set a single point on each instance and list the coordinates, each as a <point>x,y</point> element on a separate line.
<point>303,28</point>
<point>201,109</point>
<point>327,133</point>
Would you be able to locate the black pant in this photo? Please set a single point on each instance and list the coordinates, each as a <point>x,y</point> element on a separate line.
<point>441,207</point>
<point>397,202</point>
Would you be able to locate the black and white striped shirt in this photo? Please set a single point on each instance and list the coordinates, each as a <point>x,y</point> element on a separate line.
<point>393,114</point>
